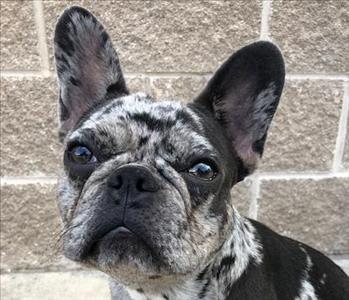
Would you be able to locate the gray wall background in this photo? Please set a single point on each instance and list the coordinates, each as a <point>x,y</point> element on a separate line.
<point>169,49</point>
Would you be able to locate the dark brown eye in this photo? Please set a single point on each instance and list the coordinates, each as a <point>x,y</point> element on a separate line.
<point>81,155</point>
<point>203,171</point>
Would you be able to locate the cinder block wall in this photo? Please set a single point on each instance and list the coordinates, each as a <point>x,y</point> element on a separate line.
<point>169,49</point>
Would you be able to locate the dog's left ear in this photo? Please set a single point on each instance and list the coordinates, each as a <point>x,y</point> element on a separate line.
<point>243,96</point>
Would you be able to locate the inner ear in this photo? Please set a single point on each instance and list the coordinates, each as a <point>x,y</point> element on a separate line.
<point>88,67</point>
<point>243,96</point>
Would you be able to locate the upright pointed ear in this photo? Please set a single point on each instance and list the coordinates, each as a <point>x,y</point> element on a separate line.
<point>88,68</point>
<point>243,96</point>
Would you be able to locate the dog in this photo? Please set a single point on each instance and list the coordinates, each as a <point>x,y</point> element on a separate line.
<point>145,191</point>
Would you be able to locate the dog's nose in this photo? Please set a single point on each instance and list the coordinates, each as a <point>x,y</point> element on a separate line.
<point>135,178</point>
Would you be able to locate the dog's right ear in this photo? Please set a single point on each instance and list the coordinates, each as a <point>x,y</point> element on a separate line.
<point>87,65</point>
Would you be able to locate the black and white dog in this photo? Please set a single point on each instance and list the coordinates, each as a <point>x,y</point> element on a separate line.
<point>145,192</point>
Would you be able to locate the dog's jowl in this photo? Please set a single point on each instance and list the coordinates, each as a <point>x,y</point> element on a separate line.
<point>145,192</point>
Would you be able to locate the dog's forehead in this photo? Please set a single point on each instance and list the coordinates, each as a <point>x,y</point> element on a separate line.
<point>140,108</point>
<point>142,117</point>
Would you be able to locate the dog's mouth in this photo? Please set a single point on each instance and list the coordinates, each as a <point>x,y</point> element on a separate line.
<point>119,245</point>
<point>120,237</point>
<point>120,232</point>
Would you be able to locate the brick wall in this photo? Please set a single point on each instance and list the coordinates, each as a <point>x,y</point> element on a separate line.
<point>169,49</point>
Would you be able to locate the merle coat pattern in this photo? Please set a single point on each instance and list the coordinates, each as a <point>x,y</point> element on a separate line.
<point>145,192</point>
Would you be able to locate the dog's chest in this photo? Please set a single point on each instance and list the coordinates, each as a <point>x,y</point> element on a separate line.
<point>189,291</point>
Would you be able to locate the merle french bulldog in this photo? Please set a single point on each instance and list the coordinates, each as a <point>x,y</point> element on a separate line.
<point>145,193</point>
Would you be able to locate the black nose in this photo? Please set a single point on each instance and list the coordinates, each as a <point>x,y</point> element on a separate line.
<point>135,178</point>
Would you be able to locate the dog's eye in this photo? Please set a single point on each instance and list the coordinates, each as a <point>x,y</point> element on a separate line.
<point>204,171</point>
<point>81,155</point>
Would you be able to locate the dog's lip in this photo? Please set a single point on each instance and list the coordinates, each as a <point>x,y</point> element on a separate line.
<point>120,231</point>
<point>117,232</point>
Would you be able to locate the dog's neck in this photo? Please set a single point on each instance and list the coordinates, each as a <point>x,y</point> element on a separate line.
<point>215,280</point>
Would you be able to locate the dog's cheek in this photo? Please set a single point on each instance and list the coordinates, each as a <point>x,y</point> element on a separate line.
<point>203,227</point>
<point>222,207</point>
<point>171,230</point>
<point>211,221</point>
<point>68,195</point>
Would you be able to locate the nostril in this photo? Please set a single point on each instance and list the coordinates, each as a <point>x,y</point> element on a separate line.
<point>116,182</point>
<point>134,179</point>
<point>146,185</point>
<point>140,185</point>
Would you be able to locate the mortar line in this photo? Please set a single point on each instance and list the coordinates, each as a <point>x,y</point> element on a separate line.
<point>260,176</point>
<point>175,75</point>
<point>254,194</point>
<point>41,33</point>
<point>266,13</point>
<point>303,175</point>
<point>23,74</point>
<point>50,270</point>
<point>309,76</point>
<point>343,257</point>
<point>23,180</point>
<point>41,30</point>
<point>342,131</point>
<point>167,75</point>
<point>151,82</point>
<point>339,259</point>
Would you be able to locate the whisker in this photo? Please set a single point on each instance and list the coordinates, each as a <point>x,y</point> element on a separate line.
<point>60,235</point>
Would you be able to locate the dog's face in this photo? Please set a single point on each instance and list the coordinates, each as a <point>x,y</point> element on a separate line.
<point>145,194</point>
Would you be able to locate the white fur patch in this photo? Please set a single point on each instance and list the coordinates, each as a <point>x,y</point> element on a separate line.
<point>135,295</point>
<point>307,291</point>
<point>246,248</point>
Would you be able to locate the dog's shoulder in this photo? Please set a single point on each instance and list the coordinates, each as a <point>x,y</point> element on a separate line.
<point>298,271</point>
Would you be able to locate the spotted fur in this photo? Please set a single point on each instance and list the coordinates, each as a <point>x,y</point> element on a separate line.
<point>184,240</point>
<point>87,65</point>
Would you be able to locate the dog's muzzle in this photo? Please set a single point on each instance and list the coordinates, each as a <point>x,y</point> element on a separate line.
<point>128,196</point>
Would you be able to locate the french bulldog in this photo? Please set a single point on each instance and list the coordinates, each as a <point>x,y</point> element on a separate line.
<point>145,191</point>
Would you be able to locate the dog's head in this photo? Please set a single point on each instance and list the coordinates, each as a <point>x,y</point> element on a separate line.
<point>145,194</point>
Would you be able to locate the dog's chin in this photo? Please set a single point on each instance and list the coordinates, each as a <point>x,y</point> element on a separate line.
<point>121,246</point>
<point>127,258</point>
